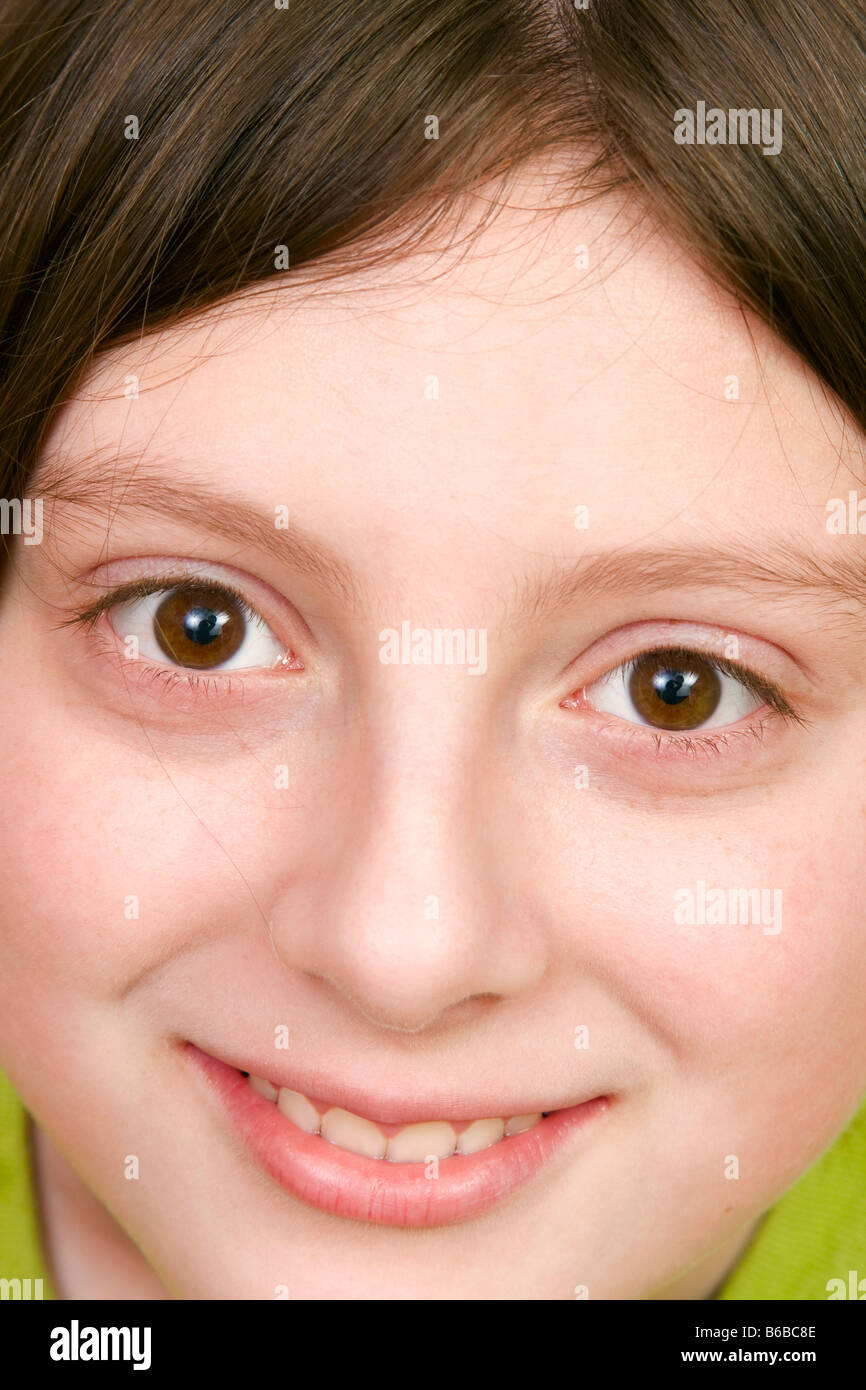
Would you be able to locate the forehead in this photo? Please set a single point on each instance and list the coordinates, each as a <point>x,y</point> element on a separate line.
<point>571,358</point>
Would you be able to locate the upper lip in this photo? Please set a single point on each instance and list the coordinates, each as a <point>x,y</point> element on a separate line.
<point>386,1106</point>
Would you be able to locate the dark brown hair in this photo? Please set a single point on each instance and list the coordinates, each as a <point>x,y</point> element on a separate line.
<point>308,127</point>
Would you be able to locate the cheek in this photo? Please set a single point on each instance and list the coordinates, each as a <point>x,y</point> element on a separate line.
<point>742,1044</point>
<point>124,847</point>
<point>773,1002</point>
<point>109,859</point>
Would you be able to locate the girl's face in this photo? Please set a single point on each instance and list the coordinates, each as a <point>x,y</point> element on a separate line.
<point>426,831</point>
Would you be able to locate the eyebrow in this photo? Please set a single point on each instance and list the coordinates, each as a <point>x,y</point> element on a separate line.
<point>123,483</point>
<point>772,567</point>
<point>119,482</point>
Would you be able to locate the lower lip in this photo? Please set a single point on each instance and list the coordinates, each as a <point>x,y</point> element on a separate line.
<point>389,1194</point>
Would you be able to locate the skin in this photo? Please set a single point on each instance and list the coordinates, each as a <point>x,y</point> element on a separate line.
<point>559,386</point>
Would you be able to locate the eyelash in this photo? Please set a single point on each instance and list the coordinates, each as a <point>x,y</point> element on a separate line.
<point>692,747</point>
<point>143,588</point>
<point>696,745</point>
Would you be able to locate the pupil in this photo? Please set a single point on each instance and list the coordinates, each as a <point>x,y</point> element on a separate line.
<point>672,686</point>
<point>202,625</point>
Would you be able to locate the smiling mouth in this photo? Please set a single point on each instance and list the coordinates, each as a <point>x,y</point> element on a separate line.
<point>411,1143</point>
<point>423,1173</point>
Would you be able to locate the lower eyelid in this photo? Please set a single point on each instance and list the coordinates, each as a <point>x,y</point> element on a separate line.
<point>184,689</point>
<point>642,741</point>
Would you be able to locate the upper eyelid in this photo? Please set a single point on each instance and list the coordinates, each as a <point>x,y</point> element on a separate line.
<point>695,636</point>
<point>155,584</point>
<point>155,573</point>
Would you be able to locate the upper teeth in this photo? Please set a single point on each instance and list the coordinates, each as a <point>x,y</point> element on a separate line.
<point>412,1144</point>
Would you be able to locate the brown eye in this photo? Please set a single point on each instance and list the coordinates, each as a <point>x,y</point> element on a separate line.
<point>199,627</point>
<point>674,689</point>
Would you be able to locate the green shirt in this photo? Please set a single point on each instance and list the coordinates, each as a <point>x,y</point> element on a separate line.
<point>814,1234</point>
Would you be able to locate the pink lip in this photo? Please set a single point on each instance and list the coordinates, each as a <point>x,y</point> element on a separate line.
<point>390,1194</point>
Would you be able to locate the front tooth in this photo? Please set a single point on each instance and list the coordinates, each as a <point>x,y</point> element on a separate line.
<point>350,1132</point>
<point>518,1123</point>
<point>263,1087</point>
<point>299,1110</point>
<point>417,1143</point>
<point>480,1135</point>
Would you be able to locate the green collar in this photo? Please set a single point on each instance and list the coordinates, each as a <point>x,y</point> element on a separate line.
<point>20,1247</point>
<point>816,1233</point>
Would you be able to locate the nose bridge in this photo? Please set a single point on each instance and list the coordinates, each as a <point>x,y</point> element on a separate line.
<point>413,903</point>
<point>426,736</point>
<point>427,742</point>
<point>420,840</point>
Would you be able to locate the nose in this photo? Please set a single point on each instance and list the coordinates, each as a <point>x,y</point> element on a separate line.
<point>407,906</point>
